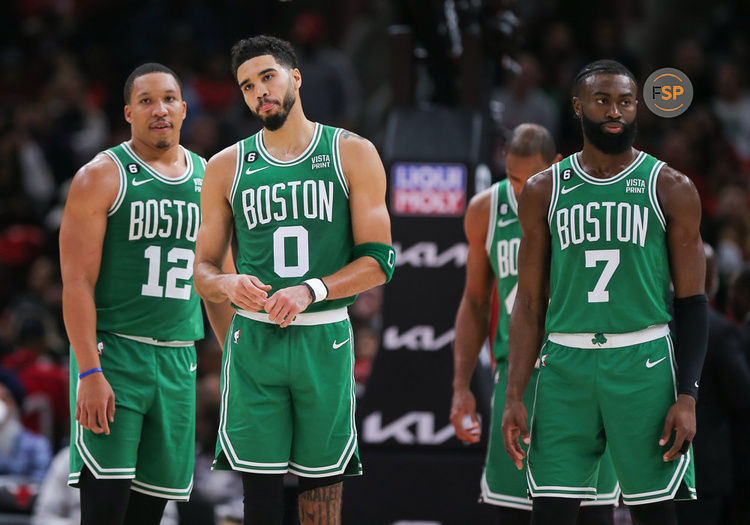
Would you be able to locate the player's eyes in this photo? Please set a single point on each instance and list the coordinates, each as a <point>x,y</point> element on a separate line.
<point>268,76</point>
<point>145,100</point>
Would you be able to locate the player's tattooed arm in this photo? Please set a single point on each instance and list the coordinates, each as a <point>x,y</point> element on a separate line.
<point>321,505</point>
<point>351,135</point>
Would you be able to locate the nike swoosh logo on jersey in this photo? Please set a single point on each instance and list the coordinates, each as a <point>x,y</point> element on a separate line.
<point>139,182</point>
<point>649,364</point>
<point>339,345</point>
<point>193,367</point>
<point>503,223</point>
<point>568,190</point>
<point>248,171</point>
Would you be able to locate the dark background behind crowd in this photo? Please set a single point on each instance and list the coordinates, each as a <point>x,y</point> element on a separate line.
<point>63,64</point>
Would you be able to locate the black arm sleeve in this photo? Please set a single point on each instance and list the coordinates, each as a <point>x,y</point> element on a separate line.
<point>691,330</point>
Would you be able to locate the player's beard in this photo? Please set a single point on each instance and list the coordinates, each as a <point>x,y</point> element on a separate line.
<point>609,143</point>
<point>276,120</point>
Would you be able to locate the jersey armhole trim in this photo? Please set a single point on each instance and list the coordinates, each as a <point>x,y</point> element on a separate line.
<point>122,190</point>
<point>336,149</point>
<point>237,171</point>
<point>553,197</point>
<point>653,195</point>
<point>494,191</point>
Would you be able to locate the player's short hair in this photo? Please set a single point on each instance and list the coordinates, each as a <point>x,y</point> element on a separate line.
<point>261,45</point>
<point>529,139</point>
<point>601,67</point>
<point>145,69</point>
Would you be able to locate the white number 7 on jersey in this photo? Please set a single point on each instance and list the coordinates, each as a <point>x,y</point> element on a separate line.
<point>612,257</point>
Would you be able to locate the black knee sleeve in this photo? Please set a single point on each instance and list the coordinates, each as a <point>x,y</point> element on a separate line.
<point>661,513</point>
<point>144,509</point>
<point>306,484</point>
<point>508,516</point>
<point>555,511</point>
<point>264,498</point>
<point>103,501</point>
<point>596,515</point>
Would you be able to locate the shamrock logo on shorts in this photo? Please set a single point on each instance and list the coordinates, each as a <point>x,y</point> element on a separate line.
<point>599,339</point>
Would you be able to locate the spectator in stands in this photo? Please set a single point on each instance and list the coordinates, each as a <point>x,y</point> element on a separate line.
<point>739,298</point>
<point>23,454</point>
<point>732,105</point>
<point>524,101</point>
<point>45,409</point>
<point>725,394</point>
<point>331,90</point>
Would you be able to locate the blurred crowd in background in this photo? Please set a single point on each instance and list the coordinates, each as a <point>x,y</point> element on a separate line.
<point>63,64</point>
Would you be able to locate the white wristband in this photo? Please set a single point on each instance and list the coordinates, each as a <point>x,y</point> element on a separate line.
<point>319,289</point>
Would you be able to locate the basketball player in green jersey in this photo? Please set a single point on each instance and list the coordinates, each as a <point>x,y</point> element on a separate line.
<point>127,244</point>
<point>305,204</point>
<point>493,232</point>
<point>604,231</point>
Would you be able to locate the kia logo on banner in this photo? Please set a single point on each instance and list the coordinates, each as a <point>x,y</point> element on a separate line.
<point>413,428</point>
<point>427,255</point>
<point>420,337</point>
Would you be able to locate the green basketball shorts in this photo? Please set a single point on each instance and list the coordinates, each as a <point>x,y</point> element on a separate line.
<point>606,390</point>
<point>288,396</point>
<point>152,439</point>
<point>502,483</point>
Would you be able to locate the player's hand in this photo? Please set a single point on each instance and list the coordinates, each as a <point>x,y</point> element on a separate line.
<point>514,425</point>
<point>286,303</point>
<point>246,291</point>
<point>681,420</point>
<point>464,416</point>
<point>95,403</point>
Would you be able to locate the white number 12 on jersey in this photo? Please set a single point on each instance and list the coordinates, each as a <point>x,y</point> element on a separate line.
<point>152,288</point>
<point>612,257</point>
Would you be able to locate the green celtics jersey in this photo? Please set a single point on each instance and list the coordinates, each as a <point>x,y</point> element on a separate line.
<point>503,238</point>
<point>609,269</point>
<point>292,217</point>
<point>145,284</point>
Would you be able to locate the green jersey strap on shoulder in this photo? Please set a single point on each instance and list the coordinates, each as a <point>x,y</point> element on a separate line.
<point>383,253</point>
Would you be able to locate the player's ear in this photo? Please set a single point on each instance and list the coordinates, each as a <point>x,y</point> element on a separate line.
<point>296,77</point>
<point>577,107</point>
<point>128,114</point>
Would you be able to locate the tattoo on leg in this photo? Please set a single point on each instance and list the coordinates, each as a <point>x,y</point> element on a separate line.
<point>321,505</point>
